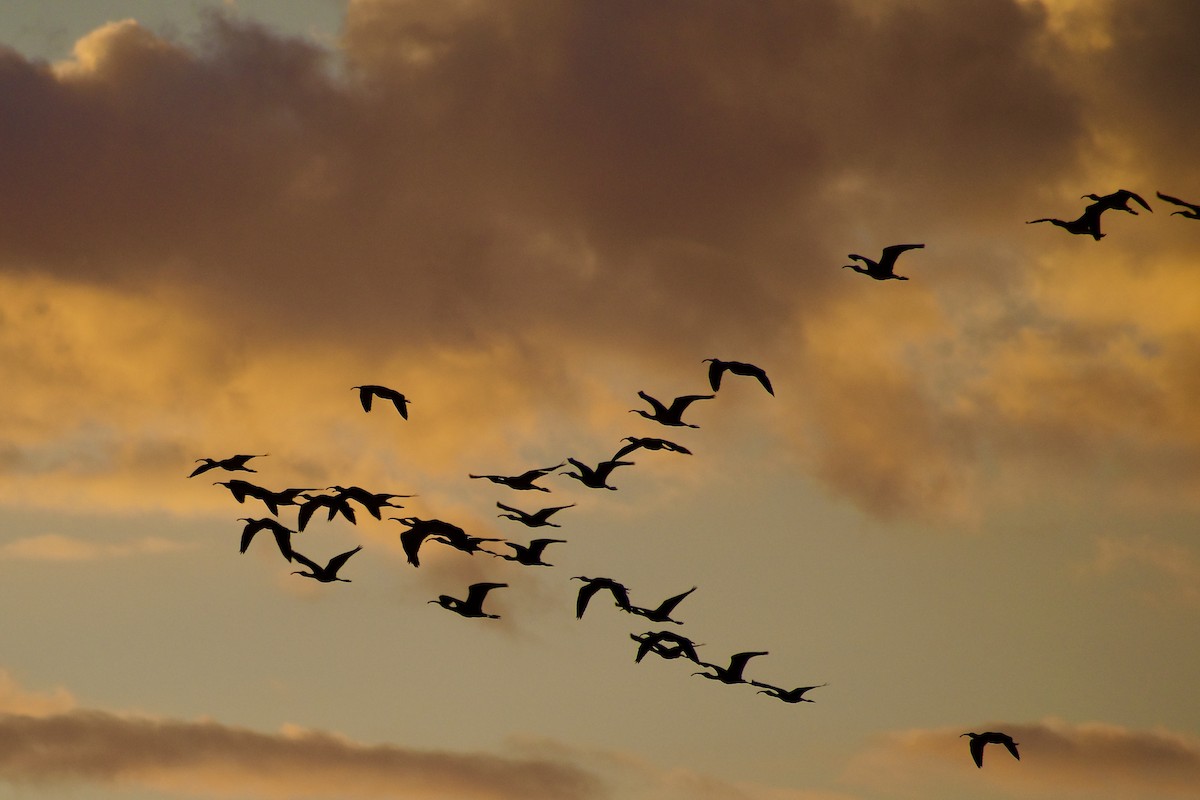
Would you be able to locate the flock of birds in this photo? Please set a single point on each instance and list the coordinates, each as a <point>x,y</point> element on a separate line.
<point>343,501</point>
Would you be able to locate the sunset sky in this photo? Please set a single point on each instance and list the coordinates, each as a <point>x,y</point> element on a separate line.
<point>972,503</point>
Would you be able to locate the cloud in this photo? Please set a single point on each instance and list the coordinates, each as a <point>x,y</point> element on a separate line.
<point>517,212</point>
<point>1101,759</point>
<point>1170,573</point>
<point>56,547</point>
<point>16,699</point>
<point>208,759</point>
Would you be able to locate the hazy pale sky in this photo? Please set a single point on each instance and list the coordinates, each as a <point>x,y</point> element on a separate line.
<point>971,504</point>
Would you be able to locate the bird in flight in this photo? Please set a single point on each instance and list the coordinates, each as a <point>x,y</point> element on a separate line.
<point>472,606</point>
<point>733,673</point>
<point>981,740</point>
<point>419,529</point>
<point>883,269</point>
<point>241,489</point>
<point>231,464</point>
<point>670,415</point>
<point>337,504</point>
<point>666,645</point>
<point>663,612</point>
<point>1119,201</point>
<point>1087,224</point>
<point>787,695</point>
<point>282,534</point>
<point>593,585</point>
<point>649,443</point>
<point>529,555</point>
<point>595,477</point>
<point>373,502</point>
<point>367,392</point>
<point>327,573</point>
<point>524,481</point>
<point>717,368</point>
<point>1190,210</point>
<point>536,519</point>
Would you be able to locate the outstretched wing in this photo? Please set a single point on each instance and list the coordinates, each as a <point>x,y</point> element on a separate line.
<point>668,605</point>
<point>977,745</point>
<point>683,401</point>
<point>337,561</point>
<point>1012,748</point>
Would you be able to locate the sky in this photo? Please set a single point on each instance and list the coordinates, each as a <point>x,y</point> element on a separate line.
<point>971,503</point>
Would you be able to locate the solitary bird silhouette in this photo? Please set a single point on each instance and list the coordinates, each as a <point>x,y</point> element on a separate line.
<point>595,477</point>
<point>536,519</point>
<point>1087,224</point>
<point>231,464</point>
<point>369,391</point>
<point>670,415</point>
<point>528,555</point>
<point>472,606</point>
<point>663,612</point>
<point>666,645</point>
<point>787,695</point>
<point>524,481</point>
<point>1190,210</point>
<point>884,268</point>
<point>593,585</point>
<point>649,443</point>
<point>980,740</point>
<point>733,673</point>
<point>282,534</point>
<point>1119,201</point>
<point>327,573</point>
<point>717,368</point>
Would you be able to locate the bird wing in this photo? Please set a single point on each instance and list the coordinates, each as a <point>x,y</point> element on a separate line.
<point>1177,201</point>
<point>716,368</point>
<point>411,540</point>
<point>203,467</point>
<point>283,538</point>
<point>401,404</point>
<point>737,662</point>
<point>586,591</point>
<point>252,527</point>
<point>654,402</point>
<point>892,252</point>
<point>516,511</point>
<point>668,605</point>
<point>683,401</point>
<point>478,591</point>
<point>306,561</point>
<point>1137,198</point>
<point>337,561</point>
<point>627,449</point>
<point>977,745</point>
<point>365,395</point>
<point>1012,748</point>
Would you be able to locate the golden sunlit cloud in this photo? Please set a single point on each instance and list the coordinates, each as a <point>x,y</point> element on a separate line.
<point>16,699</point>
<point>56,547</point>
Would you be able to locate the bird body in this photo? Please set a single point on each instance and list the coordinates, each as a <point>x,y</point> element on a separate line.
<point>282,534</point>
<point>472,606</point>
<point>420,529</point>
<point>733,673</point>
<point>981,740</point>
<point>593,585</point>
<point>663,612</point>
<point>524,481</point>
<point>787,695</point>
<point>884,268</point>
<point>1088,223</point>
<point>231,464</point>
<point>1190,210</point>
<point>649,443</point>
<point>717,368</point>
<point>1119,201</point>
<point>536,519</point>
<point>241,489</point>
<point>373,502</point>
<point>671,415</point>
<point>595,477</point>
<point>367,392</point>
<point>327,573</point>
<point>528,555</point>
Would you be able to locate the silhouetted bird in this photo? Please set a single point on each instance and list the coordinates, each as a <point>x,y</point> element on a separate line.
<point>788,695</point>
<point>537,519</point>
<point>473,605</point>
<point>327,573</point>
<point>524,481</point>
<point>335,503</point>
<point>670,415</point>
<point>529,555</point>
<point>1088,222</point>
<point>368,391</point>
<point>285,497</point>
<point>666,645</point>
<point>883,269</point>
<point>231,464</point>
<point>980,740</point>
<point>732,673</point>
<point>241,489</point>
<point>373,502</point>
<point>419,529</point>
<point>1118,201</point>
<point>717,368</point>
<point>463,542</point>
<point>282,534</point>
<point>649,443</point>
<point>1190,210</point>
<point>663,612</point>
<point>595,477</point>
<point>593,585</point>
